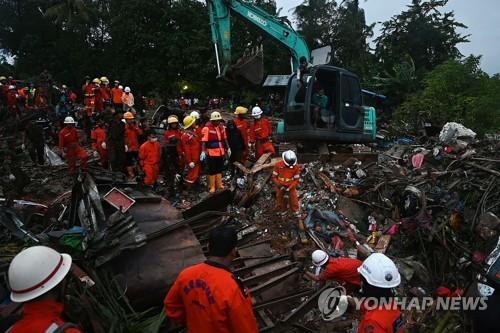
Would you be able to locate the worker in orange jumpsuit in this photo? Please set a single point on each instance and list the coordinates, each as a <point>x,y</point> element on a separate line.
<point>98,137</point>
<point>104,92</point>
<point>214,147</point>
<point>116,94</point>
<point>12,101</point>
<point>89,100</point>
<point>191,146</point>
<point>243,126</point>
<point>199,126</point>
<point>36,277</point>
<point>69,146</point>
<point>149,158</point>
<point>207,297</point>
<point>286,176</point>
<point>343,270</point>
<point>379,275</point>
<point>132,133</point>
<point>173,136</point>
<point>260,133</point>
<point>99,89</point>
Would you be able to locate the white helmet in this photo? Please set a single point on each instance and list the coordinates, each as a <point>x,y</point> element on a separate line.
<point>127,89</point>
<point>319,258</point>
<point>12,87</point>
<point>36,270</point>
<point>257,112</point>
<point>289,158</point>
<point>120,87</point>
<point>69,120</point>
<point>195,114</point>
<point>380,271</point>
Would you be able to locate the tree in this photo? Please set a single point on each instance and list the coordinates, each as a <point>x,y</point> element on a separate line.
<point>324,22</point>
<point>424,33</point>
<point>457,91</point>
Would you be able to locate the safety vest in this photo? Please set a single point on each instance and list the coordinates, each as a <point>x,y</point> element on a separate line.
<point>214,138</point>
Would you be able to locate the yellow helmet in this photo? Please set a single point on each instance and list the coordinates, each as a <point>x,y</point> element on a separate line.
<point>241,110</point>
<point>128,115</point>
<point>172,119</point>
<point>96,80</point>
<point>215,116</point>
<point>2,78</point>
<point>189,121</point>
<point>104,79</point>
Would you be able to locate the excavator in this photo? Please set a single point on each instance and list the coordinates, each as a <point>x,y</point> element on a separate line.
<point>323,103</point>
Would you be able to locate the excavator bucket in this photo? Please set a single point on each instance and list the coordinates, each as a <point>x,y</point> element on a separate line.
<point>250,66</point>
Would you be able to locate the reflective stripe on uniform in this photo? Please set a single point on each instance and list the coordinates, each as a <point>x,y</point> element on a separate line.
<point>52,328</point>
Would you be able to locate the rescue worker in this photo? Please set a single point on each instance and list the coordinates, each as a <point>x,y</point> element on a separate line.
<point>149,156</point>
<point>286,176</point>
<point>115,143</point>
<point>236,143</point>
<point>343,270</point>
<point>70,147</point>
<point>128,100</point>
<point>214,147</point>
<point>34,140</point>
<point>196,115</point>
<point>98,137</point>
<point>12,106</point>
<point>132,133</point>
<point>104,92</point>
<point>379,275</point>
<point>36,279</point>
<point>116,94</point>
<point>243,126</point>
<point>207,297</point>
<point>260,133</point>
<point>191,146</point>
<point>173,136</point>
<point>89,97</point>
<point>99,100</point>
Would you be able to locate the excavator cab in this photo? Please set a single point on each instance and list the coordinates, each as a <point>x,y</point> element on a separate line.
<point>325,104</point>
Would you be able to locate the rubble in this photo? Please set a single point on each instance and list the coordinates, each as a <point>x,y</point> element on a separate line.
<point>431,205</point>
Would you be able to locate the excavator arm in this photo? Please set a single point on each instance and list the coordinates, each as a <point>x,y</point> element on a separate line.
<point>220,21</point>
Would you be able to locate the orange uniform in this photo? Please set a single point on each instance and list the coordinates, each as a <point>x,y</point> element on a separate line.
<point>98,137</point>
<point>214,138</point>
<point>105,94</point>
<point>191,146</point>
<point>89,98</point>
<point>176,134</point>
<point>149,157</point>
<point>132,133</point>
<point>381,320</point>
<point>260,132</point>
<point>116,94</point>
<point>41,317</point>
<point>286,180</point>
<point>243,126</point>
<point>68,142</point>
<point>344,271</point>
<point>207,298</point>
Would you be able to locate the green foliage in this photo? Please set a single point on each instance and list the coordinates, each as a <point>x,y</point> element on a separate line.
<point>424,33</point>
<point>458,91</point>
<point>324,22</point>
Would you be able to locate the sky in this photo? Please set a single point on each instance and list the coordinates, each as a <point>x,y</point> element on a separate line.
<point>481,16</point>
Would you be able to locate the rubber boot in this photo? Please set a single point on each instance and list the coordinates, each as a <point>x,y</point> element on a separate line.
<point>211,183</point>
<point>219,184</point>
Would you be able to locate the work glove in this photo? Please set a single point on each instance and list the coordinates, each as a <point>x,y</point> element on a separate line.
<point>12,177</point>
<point>103,145</point>
<point>126,148</point>
<point>177,177</point>
<point>287,189</point>
<point>191,165</point>
<point>23,146</point>
<point>124,121</point>
<point>203,155</point>
<point>95,153</point>
<point>283,188</point>
<point>228,152</point>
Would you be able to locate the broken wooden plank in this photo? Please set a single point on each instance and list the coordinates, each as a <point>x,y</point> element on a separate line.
<point>262,160</point>
<point>328,182</point>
